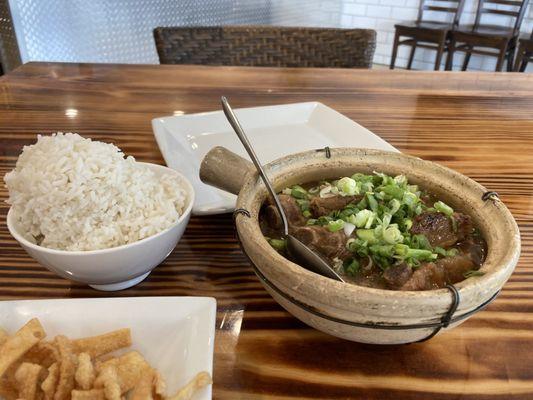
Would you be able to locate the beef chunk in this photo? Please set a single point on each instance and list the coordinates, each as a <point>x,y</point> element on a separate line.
<point>323,206</point>
<point>474,246</point>
<point>292,211</point>
<point>426,277</point>
<point>439,273</point>
<point>320,239</point>
<point>438,228</point>
<point>397,275</point>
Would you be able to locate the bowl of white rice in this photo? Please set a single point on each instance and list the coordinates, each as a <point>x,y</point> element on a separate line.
<point>87,212</point>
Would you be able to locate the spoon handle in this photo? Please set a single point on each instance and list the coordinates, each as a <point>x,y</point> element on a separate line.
<point>232,118</point>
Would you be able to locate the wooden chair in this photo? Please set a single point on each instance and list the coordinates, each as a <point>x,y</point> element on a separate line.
<point>476,38</point>
<point>266,46</point>
<point>427,34</point>
<point>524,53</point>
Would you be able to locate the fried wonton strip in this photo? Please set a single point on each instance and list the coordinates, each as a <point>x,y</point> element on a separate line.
<point>129,368</point>
<point>27,378</point>
<point>18,344</point>
<point>199,381</point>
<point>50,382</point>
<point>3,336</point>
<point>108,380</point>
<point>85,374</point>
<point>43,353</point>
<point>93,394</point>
<point>143,388</point>
<point>160,386</point>
<point>96,346</point>
<point>67,368</point>
<point>8,391</point>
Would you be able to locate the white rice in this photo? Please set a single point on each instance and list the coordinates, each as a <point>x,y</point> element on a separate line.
<point>72,193</point>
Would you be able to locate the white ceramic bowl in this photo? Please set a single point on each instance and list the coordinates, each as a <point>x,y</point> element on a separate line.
<point>118,267</point>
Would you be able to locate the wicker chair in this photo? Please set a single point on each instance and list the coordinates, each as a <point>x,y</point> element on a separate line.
<point>266,46</point>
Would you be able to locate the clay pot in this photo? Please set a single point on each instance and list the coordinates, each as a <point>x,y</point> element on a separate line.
<point>353,312</point>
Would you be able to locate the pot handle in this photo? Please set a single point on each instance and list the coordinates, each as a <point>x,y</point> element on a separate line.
<point>225,170</point>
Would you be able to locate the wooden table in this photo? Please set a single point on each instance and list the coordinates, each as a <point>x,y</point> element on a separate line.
<point>480,124</point>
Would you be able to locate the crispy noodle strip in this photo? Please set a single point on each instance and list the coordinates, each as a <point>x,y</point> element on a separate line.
<point>27,378</point>
<point>199,381</point>
<point>129,368</point>
<point>96,346</point>
<point>160,386</point>
<point>67,368</point>
<point>43,353</point>
<point>109,381</point>
<point>85,374</point>
<point>143,388</point>
<point>3,336</point>
<point>50,383</point>
<point>18,344</point>
<point>93,394</point>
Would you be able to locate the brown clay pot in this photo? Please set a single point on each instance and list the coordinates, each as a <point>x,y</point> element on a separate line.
<point>353,312</point>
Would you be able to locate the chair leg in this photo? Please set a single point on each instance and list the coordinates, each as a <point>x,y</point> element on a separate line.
<point>468,54</point>
<point>510,59</point>
<point>394,50</point>
<point>518,60</point>
<point>411,56</point>
<point>501,58</point>
<point>440,52</point>
<point>449,58</point>
<point>525,60</point>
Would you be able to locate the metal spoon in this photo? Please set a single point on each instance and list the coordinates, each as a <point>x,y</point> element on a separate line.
<point>299,251</point>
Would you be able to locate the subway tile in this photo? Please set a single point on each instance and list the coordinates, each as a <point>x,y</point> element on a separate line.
<point>378,11</point>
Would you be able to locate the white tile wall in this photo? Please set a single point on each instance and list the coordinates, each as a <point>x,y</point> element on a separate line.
<point>381,15</point>
<point>121,30</point>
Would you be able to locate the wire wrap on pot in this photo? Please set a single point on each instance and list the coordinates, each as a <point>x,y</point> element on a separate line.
<point>327,150</point>
<point>446,320</point>
<point>490,196</point>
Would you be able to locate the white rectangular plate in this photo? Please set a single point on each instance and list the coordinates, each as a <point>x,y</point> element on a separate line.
<point>175,334</point>
<point>274,131</point>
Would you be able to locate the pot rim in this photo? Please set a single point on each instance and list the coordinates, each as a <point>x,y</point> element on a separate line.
<point>295,279</point>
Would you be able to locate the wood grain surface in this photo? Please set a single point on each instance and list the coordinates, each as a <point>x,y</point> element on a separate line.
<point>480,124</point>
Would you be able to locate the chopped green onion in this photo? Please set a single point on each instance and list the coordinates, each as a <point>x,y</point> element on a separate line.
<point>361,218</point>
<point>404,251</point>
<point>473,272</point>
<point>372,202</point>
<point>287,191</point>
<point>368,235</point>
<point>347,186</point>
<point>443,208</point>
<point>352,267</point>
<point>452,252</point>
<point>335,226</point>
<point>420,242</point>
<point>278,244</point>
<point>392,192</point>
<point>386,220</point>
<point>440,251</point>
<point>454,223</point>
<point>409,198</point>
<point>394,205</point>
<point>299,192</point>
<point>382,250</point>
<point>306,213</point>
<point>311,221</point>
<point>392,235</point>
<point>400,180</point>
<point>407,224</point>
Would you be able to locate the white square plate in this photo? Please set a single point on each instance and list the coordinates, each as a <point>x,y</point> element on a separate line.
<point>274,131</point>
<point>175,334</point>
